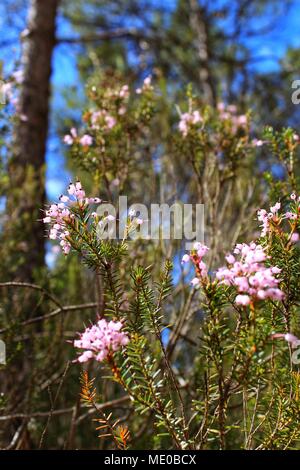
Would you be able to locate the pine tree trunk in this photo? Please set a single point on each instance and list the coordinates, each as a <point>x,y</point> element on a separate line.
<point>27,165</point>
<point>199,27</point>
<point>26,197</point>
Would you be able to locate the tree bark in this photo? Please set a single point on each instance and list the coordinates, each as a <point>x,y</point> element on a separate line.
<point>199,26</point>
<point>27,166</point>
<point>24,232</point>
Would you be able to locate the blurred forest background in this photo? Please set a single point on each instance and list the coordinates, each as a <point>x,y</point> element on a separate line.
<point>241,52</point>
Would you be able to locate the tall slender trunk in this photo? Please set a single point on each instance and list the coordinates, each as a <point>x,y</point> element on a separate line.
<point>199,26</point>
<point>26,198</point>
<point>27,165</point>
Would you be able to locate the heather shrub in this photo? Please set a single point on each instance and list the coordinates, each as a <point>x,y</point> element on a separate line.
<point>174,348</point>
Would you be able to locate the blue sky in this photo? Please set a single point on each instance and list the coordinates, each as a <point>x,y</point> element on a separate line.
<point>286,33</point>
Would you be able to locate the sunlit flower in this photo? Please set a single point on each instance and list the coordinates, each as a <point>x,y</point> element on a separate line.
<point>86,140</point>
<point>185,258</point>
<point>101,340</point>
<point>249,275</point>
<point>195,282</point>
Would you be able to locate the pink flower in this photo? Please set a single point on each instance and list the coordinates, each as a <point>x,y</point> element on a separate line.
<point>53,234</point>
<point>60,215</point>
<point>122,110</point>
<point>86,140</point>
<point>249,275</point>
<point>6,89</point>
<point>18,76</point>
<point>196,117</point>
<point>146,85</point>
<point>124,92</point>
<point>295,237</point>
<point>187,120</point>
<point>242,283</point>
<point>101,340</point>
<point>85,356</point>
<point>275,294</point>
<point>102,120</point>
<point>110,122</point>
<point>242,300</point>
<point>73,133</point>
<point>147,81</point>
<point>276,270</point>
<point>203,269</point>
<point>268,219</point>
<point>291,339</point>
<point>261,294</point>
<point>290,215</point>
<point>94,200</point>
<point>195,282</point>
<point>230,259</point>
<point>258,142</point>
<point>68,139</point>
<point>185,258</point>
<point>274,209</point>
<point>201,249</point>
<point>242,120</point>
<point>65,246</point>
<point>265,217</point>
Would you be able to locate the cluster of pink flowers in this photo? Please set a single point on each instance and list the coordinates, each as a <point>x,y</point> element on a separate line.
<point>229,112</point>
<point>195,257</point>
<point>102,120</point>
<point>117,97</point>
<point>273,216</point>
<point>101,340</point>
<point>187,120</point>
<point>265,217</point>
<point>69,139</point>
<point>133,217</point>
<point>252,279</point>
<point>191,118</point>
<point>85,140</point>
<point>8,90</point>
<point>58,215</point>
<point>124,92</point>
